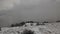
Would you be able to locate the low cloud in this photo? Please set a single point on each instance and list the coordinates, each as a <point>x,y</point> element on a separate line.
<point>8,4</point>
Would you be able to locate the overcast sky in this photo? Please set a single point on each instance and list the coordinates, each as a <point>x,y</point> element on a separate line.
<point>36,10</point>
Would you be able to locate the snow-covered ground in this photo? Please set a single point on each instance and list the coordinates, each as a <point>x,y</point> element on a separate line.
<point>49,28</point>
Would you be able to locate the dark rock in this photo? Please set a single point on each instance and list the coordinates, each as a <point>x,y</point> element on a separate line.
<point>12,25</point>
<point>28,32</point>
<point>45,22</point>
<point>22,23</point>
<point>29,21</point>
<point>58,21</point>
<point>0,28</point>
<point>18,24</point>
<point>31,24</point>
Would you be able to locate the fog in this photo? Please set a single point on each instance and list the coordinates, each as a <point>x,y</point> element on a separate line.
<point>37,10</point>
<point>58,8</point>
